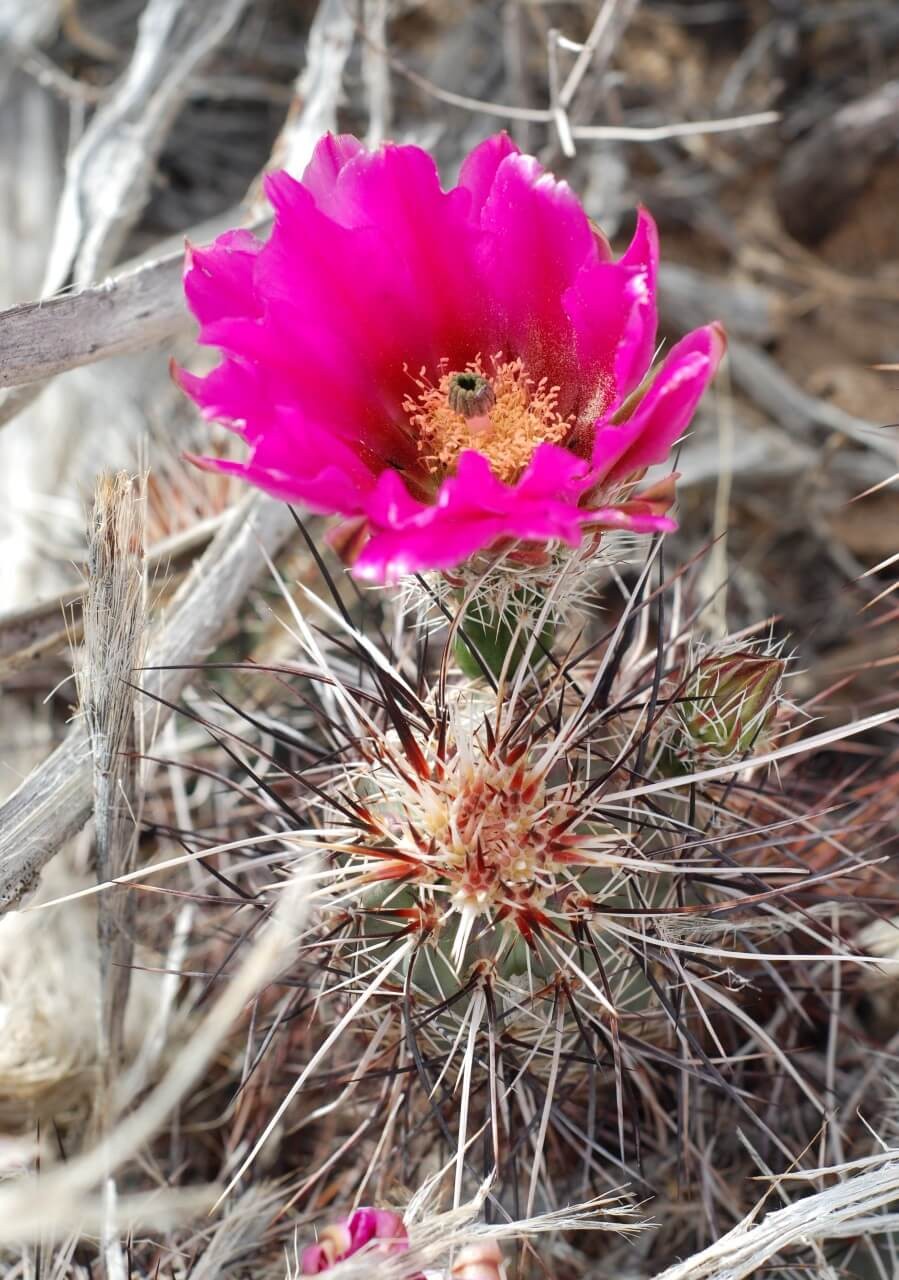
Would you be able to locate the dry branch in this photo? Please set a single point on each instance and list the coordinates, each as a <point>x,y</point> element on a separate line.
<point>763,380</point>
<point>376,71</point>
<point>688,298</point>
<point>29,634</point>
<point>128,313</point>
<point>109,172</point>
<point>55,801</point>
<point>64,1199</point>
<point>143,306</point>
<point>599,46</point>
<point>318,87</point>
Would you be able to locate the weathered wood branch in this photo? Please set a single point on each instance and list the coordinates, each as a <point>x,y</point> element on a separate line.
<point>144,304</point>
<point>689,298</point>
<point>763,381</point>
<point>110,170</point>
<point>130,312</point>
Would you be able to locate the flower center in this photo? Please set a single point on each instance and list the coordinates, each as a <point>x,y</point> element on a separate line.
<point>471,395</point>
<point>493,406</point>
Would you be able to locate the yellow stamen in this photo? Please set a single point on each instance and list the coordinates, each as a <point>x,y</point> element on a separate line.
<point>523,415</point>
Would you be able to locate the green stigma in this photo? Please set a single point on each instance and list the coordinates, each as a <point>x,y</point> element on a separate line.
<point>470,394</point>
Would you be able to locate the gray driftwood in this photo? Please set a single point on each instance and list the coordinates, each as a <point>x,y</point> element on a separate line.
<point>144,305</point>
<point>110,170</point>
<point>132,311</point>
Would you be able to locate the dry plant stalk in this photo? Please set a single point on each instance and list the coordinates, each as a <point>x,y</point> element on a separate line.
<point>853,1206</point>
<point>71,1196</point>
<point>48,994</point>
<point>54,802</point>
<point>115,625</point>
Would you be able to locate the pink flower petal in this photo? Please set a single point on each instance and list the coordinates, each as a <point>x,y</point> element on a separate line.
<point>615,338</point>
<point>313,1260</point>
<point>479,168</point>
<point>303,463</point>
<point>311,356</point>
<point>372,274</point>
<point>377,1224</point>
<point>637,345</point>
<point>320,176</point>
<point>232,394</point>
<point>328,491</point>
<point>633,521</point>
<point>218,280</point>
<point>664,413</point>
<point>391,506</point>
<point>338,312</point>
<point>347,1236</point>
<point>473,510</point>
<point>429,241</point>
<point>362,1227</point>
<point>539,239</point>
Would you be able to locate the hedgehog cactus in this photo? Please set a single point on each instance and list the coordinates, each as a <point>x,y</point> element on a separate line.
<point>523,898</point>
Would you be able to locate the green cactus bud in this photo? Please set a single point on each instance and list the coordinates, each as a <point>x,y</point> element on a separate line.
<point>726,705</point>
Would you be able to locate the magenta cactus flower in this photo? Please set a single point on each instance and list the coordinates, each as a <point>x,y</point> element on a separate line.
<point>340,1240</point>
<point>449,371</point>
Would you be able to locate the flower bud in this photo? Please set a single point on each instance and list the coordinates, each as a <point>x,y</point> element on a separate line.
<point>340,1240</point>
<point>728,704</point>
